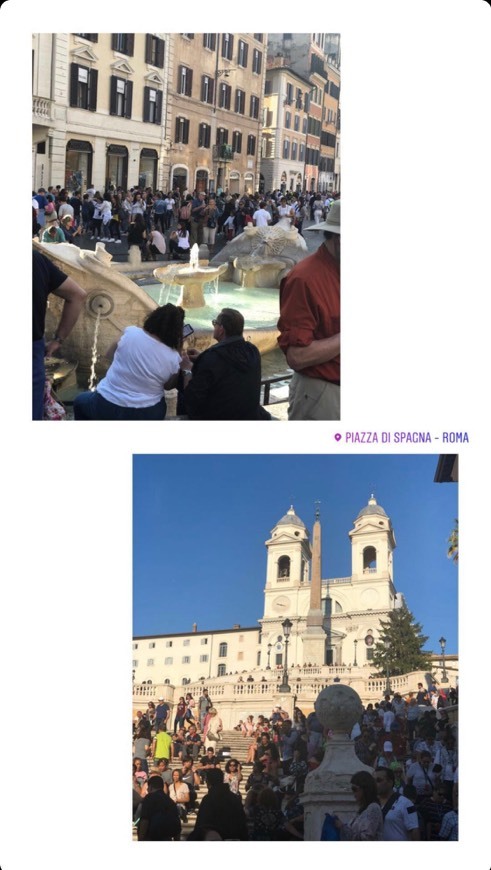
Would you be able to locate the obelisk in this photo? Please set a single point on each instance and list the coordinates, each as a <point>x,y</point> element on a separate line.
<point>314,639</point>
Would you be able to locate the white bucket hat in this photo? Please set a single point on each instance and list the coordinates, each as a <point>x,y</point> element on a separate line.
<point>332,221</point>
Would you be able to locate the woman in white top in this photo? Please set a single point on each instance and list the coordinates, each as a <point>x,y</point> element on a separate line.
<point>318,210</point>
<point>286,214</point>
<point>146,363</point>
<point>179,793</point>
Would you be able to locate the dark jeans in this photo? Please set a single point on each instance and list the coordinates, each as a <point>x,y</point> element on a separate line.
<point>159,221</point>
<point>38,379</point>
<point>93,406</point>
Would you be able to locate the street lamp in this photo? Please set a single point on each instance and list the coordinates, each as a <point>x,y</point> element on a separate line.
<point>270,647</point>
<point>388,689</point>
<point>442,643</point>
<point>287,627</point>
<point>355,662</point>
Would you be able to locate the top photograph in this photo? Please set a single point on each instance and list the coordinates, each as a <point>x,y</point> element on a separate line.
<point>186,224</point>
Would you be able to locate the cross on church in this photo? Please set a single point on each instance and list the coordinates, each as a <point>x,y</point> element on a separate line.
<point>317,509</point>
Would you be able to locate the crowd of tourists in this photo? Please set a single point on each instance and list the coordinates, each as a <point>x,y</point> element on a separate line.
<point>166,223</point>
<point>406,790</point>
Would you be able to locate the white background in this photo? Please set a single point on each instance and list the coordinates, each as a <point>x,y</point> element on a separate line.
<point>415,287</point>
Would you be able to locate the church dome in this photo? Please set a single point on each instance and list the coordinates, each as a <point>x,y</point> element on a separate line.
<point>291,519</point>
<point>372,508</point>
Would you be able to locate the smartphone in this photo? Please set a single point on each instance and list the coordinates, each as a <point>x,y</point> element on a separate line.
<point>187,330</point>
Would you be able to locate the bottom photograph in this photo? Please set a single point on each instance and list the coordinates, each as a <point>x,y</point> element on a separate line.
<point>295,664</point>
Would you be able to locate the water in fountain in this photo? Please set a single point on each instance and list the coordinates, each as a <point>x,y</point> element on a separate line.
<point>94,353</point>
<point>194,257</point>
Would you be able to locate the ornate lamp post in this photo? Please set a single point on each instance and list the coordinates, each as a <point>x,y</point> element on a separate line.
<point>388,689</point>
<point>356,644</point>
<point>442,643</point>
<point>270,647</point>
<point>287,627</point>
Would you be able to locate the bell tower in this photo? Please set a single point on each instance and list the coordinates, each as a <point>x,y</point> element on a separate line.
<point>372,545</point>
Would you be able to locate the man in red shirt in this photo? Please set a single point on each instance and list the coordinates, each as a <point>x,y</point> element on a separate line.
<point>309,325</point>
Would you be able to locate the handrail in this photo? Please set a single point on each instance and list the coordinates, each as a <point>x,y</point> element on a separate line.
<point>266,383</point>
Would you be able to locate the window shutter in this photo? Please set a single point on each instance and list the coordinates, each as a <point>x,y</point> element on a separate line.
<point>93,75</point>
<point>148,48</point>
<point>231,52</point>
<point>246,51</point>
<point>203,80</point>
<point>186,132</point>
<point>212,90</point>
<point>146,103</point>
<point>189,83</point>
<point>113,97</point>
<point>131,44</point>
<point>114,41</point>
<point>229,96</point>
<point>160,53</point>
<point>158,108</point>
<point>176,135</point>
<point>128,99</point>
<point>73,83</point>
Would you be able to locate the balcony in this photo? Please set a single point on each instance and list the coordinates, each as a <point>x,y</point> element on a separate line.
<point>42,110</point>
<point>223,153</point>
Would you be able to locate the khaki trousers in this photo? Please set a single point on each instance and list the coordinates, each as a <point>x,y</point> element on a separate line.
<point>313,399</point>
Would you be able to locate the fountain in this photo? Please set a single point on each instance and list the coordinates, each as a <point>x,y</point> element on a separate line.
<point>191,279</point>
<point>244,275</point>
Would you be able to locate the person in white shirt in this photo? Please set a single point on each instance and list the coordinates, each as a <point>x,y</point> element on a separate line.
<point>420,775</point>
<point>400,815</point>
<point>261,217</point>
<point>145,364</point>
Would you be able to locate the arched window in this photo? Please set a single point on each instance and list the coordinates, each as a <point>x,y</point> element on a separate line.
<point>369,559</point>
<point>222,650</point>
<point>221,670</point>
<point>283,567</point>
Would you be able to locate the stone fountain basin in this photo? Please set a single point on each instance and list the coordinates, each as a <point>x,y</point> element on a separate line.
<point>251,271</point>
<point>192,281</point>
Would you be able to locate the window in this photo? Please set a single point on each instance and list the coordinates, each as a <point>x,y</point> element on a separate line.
<point>168,643</point>
<point>279,658</point>
<point>83,87</point>
<point>283,566</point>
<point>298,100</point>
<point>221,670</point>
<point>204,641</point>
<point>123,42</point>
<point>251,144</point>
<point>240,656</point>
<point>289,93</point>
<point>121,97</point>
<point>288,120</point>
<point>224,96</point>
<point>93,37</point>
<point>258,36</point>
<point>151,645</point>
<point>186,660</point>
<point>239,101</point>
<point>227,45</point>
<point>257,60</point>
<point>154,50</point>
<point>168,661</point>
<point>204,133</point>
<point>182,136</point>
<point>242,53</point>
<point>296,123</point>
<point>203,658</point>
<point>209,41</point>
<point>369,560</point>
<point>222,650</point>
<point>304,125</point>
<point>294,150</point>
<point>150,662</point>
<point>254,113</point>
<point>301,155</point>
<point>369,653</point>
<point>268,87</point>
<point>135,646</point>
<point>222,136</point>
<point>237,142</point>
<point>334,90</point>
<point>134,663</point>
<point>186,642</point>
<point>152,105</point>
<point>207,84</point>
<point>184,81</point>
<point>258,659</point>
<point>286,149</point>
<point>188,35</point>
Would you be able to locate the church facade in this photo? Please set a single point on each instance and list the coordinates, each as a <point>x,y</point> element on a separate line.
<point>334,622</point>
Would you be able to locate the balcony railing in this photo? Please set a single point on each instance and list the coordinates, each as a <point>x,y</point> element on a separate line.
<point>42,109</point>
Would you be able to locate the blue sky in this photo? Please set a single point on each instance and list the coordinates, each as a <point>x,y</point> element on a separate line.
<point>200,522</point>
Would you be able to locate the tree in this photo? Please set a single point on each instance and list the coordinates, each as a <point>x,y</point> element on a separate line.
<point>453,544</point>
<point>405,652</point>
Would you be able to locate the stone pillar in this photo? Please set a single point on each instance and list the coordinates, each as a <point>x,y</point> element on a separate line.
<point>327,789</point>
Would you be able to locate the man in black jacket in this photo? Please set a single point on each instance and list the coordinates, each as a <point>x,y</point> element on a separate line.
<point>224,381</point>
<point>222,811</point>
<point>159,819</point>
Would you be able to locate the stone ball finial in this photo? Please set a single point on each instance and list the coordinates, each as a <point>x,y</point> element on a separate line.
<point>338,707</point>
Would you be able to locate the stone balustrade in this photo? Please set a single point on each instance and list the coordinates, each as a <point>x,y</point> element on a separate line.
<point>42,109</point>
